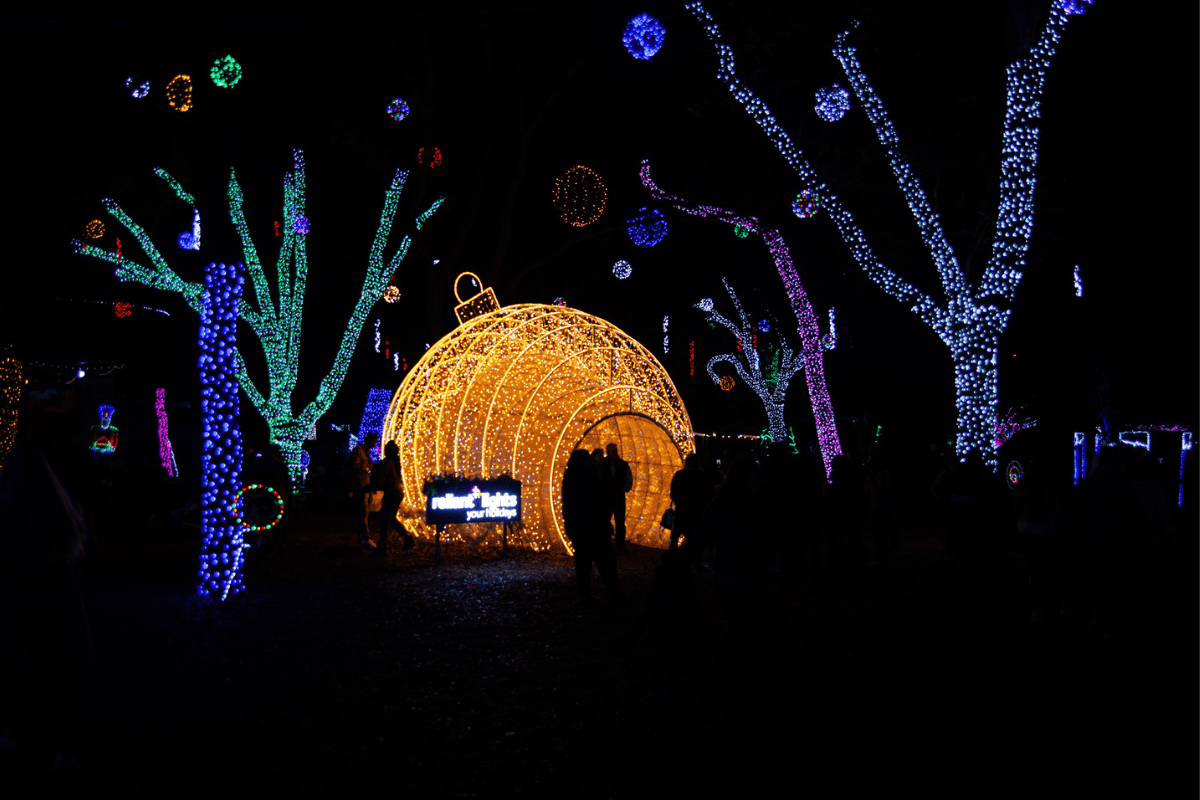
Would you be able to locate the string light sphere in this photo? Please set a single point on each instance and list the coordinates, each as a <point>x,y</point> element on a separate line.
<point>727,383</point>
<point>301,225</point>
<point>832,103</point>
<point>579,196</point>
<point>741,231</point>
<point>252,513</point>
<point>179,92</point>
<point>94,229</point>
<point>514,392</point>
<point>643,37</point>
<point>225,72</point>
<point>434,157</point>
<point>560,301</point>
<point>397,109</point>
<point>138,92</point>
<point>122,309</point>
<point>647,228</point>
<point>622,269</point>
<point>764,325</point>
<point>806,204</point>
<point>391,294</point>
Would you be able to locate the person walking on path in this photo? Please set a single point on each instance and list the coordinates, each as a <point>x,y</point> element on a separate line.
<point>385,477</point>
<point>586,512</point>
<point>618,480</point>
<point>360,478</point>
<point>690,493</point>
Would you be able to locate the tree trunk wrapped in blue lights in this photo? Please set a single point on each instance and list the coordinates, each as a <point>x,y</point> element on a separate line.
<point>222,549</point>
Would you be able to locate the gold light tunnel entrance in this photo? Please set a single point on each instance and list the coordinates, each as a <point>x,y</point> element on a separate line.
<point>512,391</point>
<point>654,459</point>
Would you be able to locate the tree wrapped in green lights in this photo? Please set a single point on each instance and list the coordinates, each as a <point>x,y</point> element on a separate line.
<point>276,323</point>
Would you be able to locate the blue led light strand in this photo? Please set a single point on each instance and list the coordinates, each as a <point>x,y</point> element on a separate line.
<point>222,547</point>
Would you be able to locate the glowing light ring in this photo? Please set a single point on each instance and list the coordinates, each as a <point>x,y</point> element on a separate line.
<point>514,390</point>
<point>647,228</point>
<point>239,506</point>
<point>225,72</point>
<point>727,383</point>
<point>579,196</point>
<point>94,229</point>
<point>397,109</point>
<point>179,93</point>
<point>622,270</point>
<point>643,36</point>
<point>391,294</point>
<point>1014,473</point>
<point>832,103</point>
<point>806,205</point>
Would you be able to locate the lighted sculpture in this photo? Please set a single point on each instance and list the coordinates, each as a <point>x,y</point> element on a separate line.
<point>104,435</point>
<point>11,382</point>
<point>513,390</point>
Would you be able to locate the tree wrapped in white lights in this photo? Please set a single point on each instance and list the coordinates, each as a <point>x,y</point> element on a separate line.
<point>770,388</point>
<point>276,324</point>
<point>973,317</point>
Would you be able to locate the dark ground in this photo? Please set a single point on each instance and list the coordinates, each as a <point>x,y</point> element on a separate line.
<point>349,677</point>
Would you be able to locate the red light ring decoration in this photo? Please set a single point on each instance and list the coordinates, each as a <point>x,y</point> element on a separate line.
<point>238,506</point>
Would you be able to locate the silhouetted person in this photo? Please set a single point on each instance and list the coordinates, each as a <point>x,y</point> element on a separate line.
<point>360,479</point>
<point>668,617</point>
<point>690,492</point>
<point>586,511</point>
<point>1039,503</point>
<point>45,644</point>
<point>617,480</point>
<point>598,462</point>
<point>386,477</point>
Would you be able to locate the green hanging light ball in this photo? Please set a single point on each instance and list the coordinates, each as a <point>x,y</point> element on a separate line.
<point>226,72</point>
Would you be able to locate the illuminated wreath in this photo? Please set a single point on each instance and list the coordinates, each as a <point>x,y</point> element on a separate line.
<point>806,204</point>
<point>579,195</point>
<point>727,383</point>
<point>94,229</point>
<point>397,109</point>
<point>225,72</point>
<point>259,511</point>
<point>179,92</point>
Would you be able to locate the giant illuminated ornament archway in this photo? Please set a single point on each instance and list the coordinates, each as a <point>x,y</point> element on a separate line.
<point>513,390</point>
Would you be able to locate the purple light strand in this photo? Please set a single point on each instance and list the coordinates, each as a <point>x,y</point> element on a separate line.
<point>810,334</point>
<point>165,453</point>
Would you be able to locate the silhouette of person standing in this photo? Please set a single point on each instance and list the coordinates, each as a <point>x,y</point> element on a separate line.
<point>360,477</point>
<point>690,492</point>
<point>617,480</point>
<point>585,514</point>
<point>386,476</point>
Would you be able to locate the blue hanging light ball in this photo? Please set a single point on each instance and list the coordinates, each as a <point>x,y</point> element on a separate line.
<point>832,103</point>
<point>643,36</point>
<point>647,228</point>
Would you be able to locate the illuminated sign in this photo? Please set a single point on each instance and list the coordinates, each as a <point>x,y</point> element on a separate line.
<point>450,502</point>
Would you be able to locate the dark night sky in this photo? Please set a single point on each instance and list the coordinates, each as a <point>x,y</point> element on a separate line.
<point>1118,140</point>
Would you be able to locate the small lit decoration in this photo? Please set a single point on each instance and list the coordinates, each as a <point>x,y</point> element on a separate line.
<point>166,453</point>
<point>1135,438</point>
<point>1009,424</point>
<point>377,335</point>
<point>829,340</point>
<point>692,358</point>
<point>579,196</point>
<point>11,384</point>
<point>771,388</point>
<point>391,294</point>
<point>225,72</point>
<point>434,157</point>
<point>395,362</point>
<point>560,301</point>
<point>122,309</point>
<point>643,36</point>
<point>104,435</point>
<point>647,228</point>
<point>832,103</point>
<point>276,229</point>
<point>118,239</point>
<point>94,229</point>
<point>622,269</point>
<point>973,318</point>
<point>1014,473</point>
<point>666,342</point>
<point>258,507</point>
<point>190,240</point>
<point>482,301</point>
<point>276,321</point>
<point>397,109</point>
<point>806,204</point>
<point>222,549</point>
<point>515,391</point>
<point>374,412</point>
<point>1185,447</point>
<point>764,325</point>
<point>1080,456</point>
<point>727,383</point>
<point>138,92</point>
<point>1078,282</point>
<point>813,344</point>
<point>179,93</point>
<point>741,231</point>
<point>301,226</point>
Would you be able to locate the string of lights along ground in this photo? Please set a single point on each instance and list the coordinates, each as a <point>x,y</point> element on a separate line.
<point>812,343</point>
<point>276,322</point>
<point>514,390</point>
<point>973,318</point>
<point>222,548</point>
